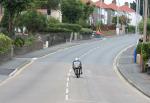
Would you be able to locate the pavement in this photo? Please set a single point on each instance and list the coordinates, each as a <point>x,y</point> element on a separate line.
<point>131,72</point>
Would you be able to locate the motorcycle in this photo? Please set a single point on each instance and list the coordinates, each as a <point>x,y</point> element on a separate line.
<point>77,72</point>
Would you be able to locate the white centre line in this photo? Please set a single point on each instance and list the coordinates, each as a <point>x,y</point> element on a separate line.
<point>67,91</point>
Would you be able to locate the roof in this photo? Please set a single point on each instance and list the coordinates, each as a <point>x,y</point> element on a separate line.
<point>101,5</point>
<point>125,9</point>
<point>113,6</point>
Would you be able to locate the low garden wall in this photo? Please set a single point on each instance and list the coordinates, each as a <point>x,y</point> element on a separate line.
<point>26,49</point>
<point>5,57</point>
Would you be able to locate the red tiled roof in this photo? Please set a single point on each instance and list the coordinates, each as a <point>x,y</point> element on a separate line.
<point>126,9</point>
<point>101,5</point>
<point>113,6</point>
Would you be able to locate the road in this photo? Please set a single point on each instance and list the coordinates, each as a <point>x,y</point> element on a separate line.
<point>50,79</point>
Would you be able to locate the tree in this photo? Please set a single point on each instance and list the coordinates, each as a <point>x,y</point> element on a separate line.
<point>32,20</point>
<point>12,9</point>
<point>72,10</point>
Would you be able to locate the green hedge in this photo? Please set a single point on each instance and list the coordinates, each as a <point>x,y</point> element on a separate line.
<point>20,42</point>
<point>131,29</point>
<point>56,30</point>
<point>70,27</point>
<point>86,31</point>
<point>144,49</point>
<point>5,43</point>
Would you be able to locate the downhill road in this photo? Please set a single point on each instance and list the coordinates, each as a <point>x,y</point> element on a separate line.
<point>51,80</point>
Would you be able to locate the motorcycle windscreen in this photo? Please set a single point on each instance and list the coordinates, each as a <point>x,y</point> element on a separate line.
<point>76,64</point>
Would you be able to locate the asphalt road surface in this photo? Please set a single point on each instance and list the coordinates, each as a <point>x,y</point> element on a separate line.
<point>51,80</point>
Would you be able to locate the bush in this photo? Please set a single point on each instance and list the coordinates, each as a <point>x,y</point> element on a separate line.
<point>5,43</point>
<point>19,42</point>
<point>33,21</point>
<point>131,29</point>
<point>144,49</point>
<point>57,30</point>
<point>86,31</point>
<point>72,27</point>
<point>52,20</point>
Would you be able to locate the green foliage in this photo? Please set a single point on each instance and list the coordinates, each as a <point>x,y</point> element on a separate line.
<point>144,49</point>
<point>40,4</point>
<point>131,29</point>
<point>52,20</point>
<point>141,26</point>
<point>13,8</point>
<point>72,10</point>
<point>87,11</point>
<point>57,30</point>
<point>72,27</point>
<point>5,43</point>
<point>86,31</point>
<point>83,23</point>
<point>33,21</point>
<point>53,4</point>
<point>29,40</point>
<point>19,42</point>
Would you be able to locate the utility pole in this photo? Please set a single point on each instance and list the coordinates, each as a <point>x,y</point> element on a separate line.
<point>145,20</point>
<point>137,11</point>
<point>118,26</point>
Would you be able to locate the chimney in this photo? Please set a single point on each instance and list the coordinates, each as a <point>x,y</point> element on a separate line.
<point>114,1</point>
<point>126,4</point>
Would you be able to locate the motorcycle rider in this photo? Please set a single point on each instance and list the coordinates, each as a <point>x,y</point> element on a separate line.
<point>77,64</point>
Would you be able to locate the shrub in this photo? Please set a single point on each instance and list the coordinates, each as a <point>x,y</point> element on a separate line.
<point>131,29</point>
<point>144,49</point>
<point>52,20</point>
<point>19,42</point>
<point>29,41</point>
<point>86,31</point>
<point>72,27</point>
<point>57,30</point>
<point>5,43</point>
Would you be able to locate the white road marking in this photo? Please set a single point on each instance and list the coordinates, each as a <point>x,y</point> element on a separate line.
<point>68,79</point>
<point>67,85</point>
<point>115,63</point>
<point>67,97</point>
<point>67,90</point>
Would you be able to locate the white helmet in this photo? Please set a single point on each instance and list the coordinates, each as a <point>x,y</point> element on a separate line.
<point>76,59</point>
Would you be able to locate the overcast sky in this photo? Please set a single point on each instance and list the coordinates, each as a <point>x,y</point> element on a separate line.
<point>121,2</point>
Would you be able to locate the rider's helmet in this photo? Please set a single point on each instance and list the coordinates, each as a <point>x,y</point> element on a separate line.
<point>76,59</point>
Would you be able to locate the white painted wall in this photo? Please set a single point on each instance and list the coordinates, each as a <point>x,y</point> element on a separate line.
<point>57,14</point>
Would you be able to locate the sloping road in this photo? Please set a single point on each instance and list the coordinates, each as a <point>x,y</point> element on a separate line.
<point>50,79</point>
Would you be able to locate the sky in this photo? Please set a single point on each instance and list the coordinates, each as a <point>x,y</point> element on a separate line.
<point>121,2</point>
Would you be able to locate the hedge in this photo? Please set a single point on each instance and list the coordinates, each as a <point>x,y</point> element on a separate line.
<point>5,43</point>
<point>70,27</point>
<point>86,31</point>
<point>144,49</point>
